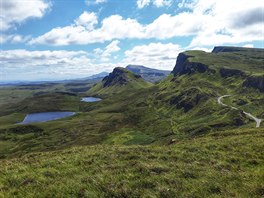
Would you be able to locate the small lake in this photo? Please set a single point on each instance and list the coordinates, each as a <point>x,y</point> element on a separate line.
<point>45,117</point>
<point>90,99</point>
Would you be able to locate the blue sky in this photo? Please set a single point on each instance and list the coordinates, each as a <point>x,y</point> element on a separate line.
<point>64,39</point>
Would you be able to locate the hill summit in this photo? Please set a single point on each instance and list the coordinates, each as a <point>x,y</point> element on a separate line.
<point>120,76</point>
<point>119,80</point>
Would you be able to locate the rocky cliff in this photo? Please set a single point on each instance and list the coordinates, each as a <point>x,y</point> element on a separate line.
<point>184,66</point>
<point>119,76</point>
<point>255,82</point>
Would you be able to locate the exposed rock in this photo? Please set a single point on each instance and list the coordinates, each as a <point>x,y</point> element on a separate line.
<point>255,82</point>
<point>119,76</point>
<point>189,99</point>
<point>241,102</point>
<point>219,49</point>
<point>184,66</point>
<point>227,72</point>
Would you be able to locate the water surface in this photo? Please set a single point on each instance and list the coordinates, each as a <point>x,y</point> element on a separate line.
<point>90,99</point>
<point>45,116</point>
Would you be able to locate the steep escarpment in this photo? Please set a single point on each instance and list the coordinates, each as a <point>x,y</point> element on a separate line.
<point>247,64</point>
<point>119,76</point>
<point>184,66</point>
<point>200,77</point>
<point>255,82</point>
<point>117,81</point>
<point>227,72</point>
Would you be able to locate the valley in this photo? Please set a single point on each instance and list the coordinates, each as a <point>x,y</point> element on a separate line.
<point>176,135</point>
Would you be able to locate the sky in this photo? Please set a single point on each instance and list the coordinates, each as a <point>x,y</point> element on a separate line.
<point>67,39</point>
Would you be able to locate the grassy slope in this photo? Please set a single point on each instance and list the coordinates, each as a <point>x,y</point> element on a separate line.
<point>249,60</point>
<point>140,115</point>
<point>15,94</point>
<point>183,160</point>
<point>133,83</point>
<point>226,164</point>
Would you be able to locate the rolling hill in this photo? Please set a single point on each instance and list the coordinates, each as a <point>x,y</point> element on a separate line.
<point>119,80</point>
<point>161,140</point>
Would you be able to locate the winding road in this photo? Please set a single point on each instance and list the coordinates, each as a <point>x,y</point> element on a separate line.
<point>257,120</point>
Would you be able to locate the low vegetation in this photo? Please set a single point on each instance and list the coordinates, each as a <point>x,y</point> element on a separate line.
<point>170,139</point>
<point>223,164</point>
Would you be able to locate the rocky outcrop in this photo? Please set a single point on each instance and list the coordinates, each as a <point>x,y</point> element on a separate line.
<point>255,82</point>
<point>219,49</point>
<point>184,66</point>
<point>227,72</point>
<point>189,99</point>
<point>119,76</point>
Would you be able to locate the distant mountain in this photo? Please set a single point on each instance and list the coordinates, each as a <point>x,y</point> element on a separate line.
<point>94,78</point>
<point>119,80</point>
<point>149,74</point>
<point>99,75</point>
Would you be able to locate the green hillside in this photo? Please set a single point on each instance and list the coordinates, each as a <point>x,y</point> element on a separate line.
<point>118,81</point>
<point>226,164</point>
<point>164,140</point>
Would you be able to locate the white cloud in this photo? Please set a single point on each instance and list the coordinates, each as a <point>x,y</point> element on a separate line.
<point>112,47</point>
<point>161,3</point>
<point>210,22</point>
<point>13,38</point>
<point>90,2</point>
<point>105,54</point>
<point>158,3</point>
<point>100,1</point>
<point>142,3</point>
<point>248,45</point>
<point>165,26</point>
<point>48,65</point>
<point>238,22</point>
<point>112,28</point>
<point>15,12</point>
<point>155,55</point>
<point>86,19</point>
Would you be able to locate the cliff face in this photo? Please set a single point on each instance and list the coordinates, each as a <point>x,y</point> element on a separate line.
<point>255,82</point>
<point>227,72</point>
<point>219,49</point>
<point>227,64</point>
<point>119,76</point>
<point>184,66</point>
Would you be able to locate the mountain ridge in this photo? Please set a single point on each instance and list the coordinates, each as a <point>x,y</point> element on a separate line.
<point>119,80</point>
<point>149,74</point>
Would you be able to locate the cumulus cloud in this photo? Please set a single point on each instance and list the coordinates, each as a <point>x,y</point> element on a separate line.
<point>105,54</point>
<point>13,38</point>
<point>161,3</point>
<point>112,28</point>
<point>116,27</point>
<point>15,12</point>
<point>142,3</point>
<point>60,64</point>
<point>238,22</point>
<point>209,22</point>
<point>248,45</point>
<point>90,2</point>
<point>158,3</point>
<point>86,19</point>
<point>155,55</point>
